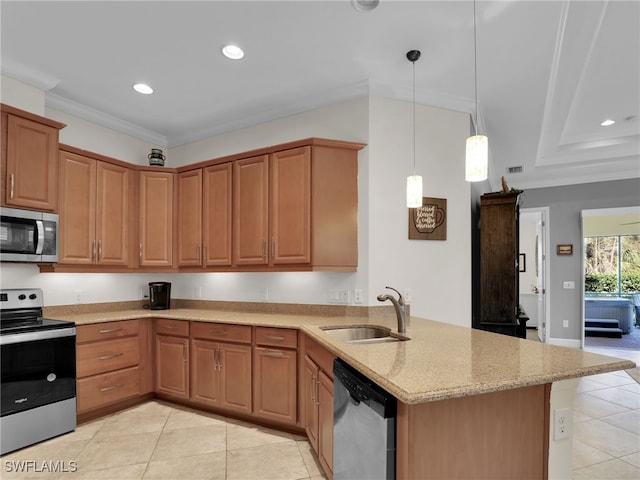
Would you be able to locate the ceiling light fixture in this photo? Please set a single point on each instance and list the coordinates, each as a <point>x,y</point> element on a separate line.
<point>414,182</point>
<point>233,52</point>
<point>364,5</point>
<point>608,123</point>
<point>143,88</point>
<point>477,155</point>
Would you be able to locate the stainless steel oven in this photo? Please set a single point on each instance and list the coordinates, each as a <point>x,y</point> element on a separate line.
<point>28,236</point>
<point>38,383</point>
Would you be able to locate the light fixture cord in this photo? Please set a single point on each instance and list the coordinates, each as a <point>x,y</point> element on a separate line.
<point>414,118</point>
<point>475,65</point>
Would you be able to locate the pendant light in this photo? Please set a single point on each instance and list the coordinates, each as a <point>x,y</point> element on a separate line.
<point>414,182</point>
<point>477,157</point>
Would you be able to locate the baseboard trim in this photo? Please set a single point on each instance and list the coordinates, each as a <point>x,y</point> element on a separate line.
<point>564,342</point>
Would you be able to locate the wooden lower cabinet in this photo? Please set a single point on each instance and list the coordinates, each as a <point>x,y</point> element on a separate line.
<point>317,400</point>
<point>172,366</point>
<point>113,364</point>
<point>275,389</point>
<point>221,374</point>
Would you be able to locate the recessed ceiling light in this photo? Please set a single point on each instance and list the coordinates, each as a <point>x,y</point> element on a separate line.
<point>607,123</point>
<point>364,5</point>
<point>143,88</point>
<point>233,52</point>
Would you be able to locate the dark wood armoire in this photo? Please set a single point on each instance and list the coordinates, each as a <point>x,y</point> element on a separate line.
<point>499,270</point>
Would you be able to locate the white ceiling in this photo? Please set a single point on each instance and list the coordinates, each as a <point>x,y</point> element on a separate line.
<point>548,71</point>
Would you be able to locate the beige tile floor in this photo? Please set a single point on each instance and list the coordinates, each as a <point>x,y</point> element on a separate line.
<point>157,440</point>
<point>162,441</point>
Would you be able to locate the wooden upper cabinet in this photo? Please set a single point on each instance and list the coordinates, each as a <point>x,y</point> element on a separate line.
<point>29,160</point>
<point>290,193</point>
<point>189,218</point>
<point>217,214</point>
<point>95,211</point>
<point>251,211</point>
<point>156,219</point>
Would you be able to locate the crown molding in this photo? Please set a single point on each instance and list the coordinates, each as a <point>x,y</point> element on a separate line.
<point>103,119</point>
<point>28,75</point>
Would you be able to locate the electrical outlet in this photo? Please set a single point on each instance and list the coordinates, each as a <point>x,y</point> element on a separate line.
<point>197,292</point>
<point>561,423</point>
<point>264,294</point>
<point>357,296</point>
<point>78,295</point>
<point>565,323</point>
<point>144,293</point>
<point>569,285</point>
<point>407,295</point>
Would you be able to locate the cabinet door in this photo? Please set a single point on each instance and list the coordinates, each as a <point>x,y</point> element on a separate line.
<point>189,218</point>
<point>310,402</point>
<point>251,211</point>
<point>205,385</point>
<point>274,384</point>
<point>290,192</point>
<point>113,210</point>
<point>172,365</point>
<point>77,209</point>
<point>325,421</point>
<point>235,376</point>
<point>217,215</point>
<point>32,164</point>
<point>156,219</point>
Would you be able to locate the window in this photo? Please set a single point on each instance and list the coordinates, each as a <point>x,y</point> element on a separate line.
<point>612,265</point>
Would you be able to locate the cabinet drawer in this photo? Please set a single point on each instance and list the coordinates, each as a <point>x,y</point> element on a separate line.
<point>221,331</point>
<point>321,356</point>
<point>105,331</point>
<point>94,358</point>
<point>100,390</point>
<point>172,327</point>
<point>278,337</point>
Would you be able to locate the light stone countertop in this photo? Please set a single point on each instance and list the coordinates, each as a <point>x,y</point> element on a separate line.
<point>441,361</point>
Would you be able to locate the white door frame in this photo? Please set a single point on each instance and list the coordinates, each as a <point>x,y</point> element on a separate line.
<point>546,269</point>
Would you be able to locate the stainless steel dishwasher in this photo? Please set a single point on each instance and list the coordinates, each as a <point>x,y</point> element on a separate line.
<point>364,427</point>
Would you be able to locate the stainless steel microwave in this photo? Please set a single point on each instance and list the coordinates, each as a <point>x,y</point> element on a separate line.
<point>28,236</point>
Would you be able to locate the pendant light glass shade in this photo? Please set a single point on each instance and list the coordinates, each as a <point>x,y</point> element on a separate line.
<point>477,158</point>
<point>414,191</point>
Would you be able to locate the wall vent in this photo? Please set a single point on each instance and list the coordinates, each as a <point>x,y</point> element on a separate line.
<point>517,169</point>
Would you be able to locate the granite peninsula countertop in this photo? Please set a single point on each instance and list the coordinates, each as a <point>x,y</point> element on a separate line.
<point>441,361</point>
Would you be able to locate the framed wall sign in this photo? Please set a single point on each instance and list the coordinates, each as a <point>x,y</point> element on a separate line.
<point>565,249</point>
<point>429,222</point>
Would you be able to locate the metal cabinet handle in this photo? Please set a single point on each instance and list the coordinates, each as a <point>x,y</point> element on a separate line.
<point>317,391</point>
<point>219,350</point>
<point>12,182</point>
<point>99,250</point>
<point>113,355</point>
<point>271,353</point>
<point>217,332</point>
<point>264,249</point>
<point>93,251</point>
<point>109,330</point>
<point>112,387</point>
<point>170,327</point>
<point>273,248</point>
<point>184,353</point>
<point>274,337</point>
<point>313,389</point>
<point>140,252</point>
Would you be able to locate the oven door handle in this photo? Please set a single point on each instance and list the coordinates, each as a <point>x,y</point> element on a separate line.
<point>37,335</point>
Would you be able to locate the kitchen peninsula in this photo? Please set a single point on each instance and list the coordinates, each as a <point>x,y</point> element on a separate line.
<point>470,403</point>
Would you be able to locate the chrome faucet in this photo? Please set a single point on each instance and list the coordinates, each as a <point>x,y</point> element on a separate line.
<point>399,306</point>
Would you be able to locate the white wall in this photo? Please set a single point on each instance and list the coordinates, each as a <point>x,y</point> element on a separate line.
<point>20,95</point>
<point>437,272</point>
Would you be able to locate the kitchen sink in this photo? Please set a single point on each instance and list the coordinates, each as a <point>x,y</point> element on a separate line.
<point>364,334</point>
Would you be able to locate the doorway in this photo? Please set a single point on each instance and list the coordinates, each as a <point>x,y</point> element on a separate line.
<point>534,269</point>
<point>610,278</point>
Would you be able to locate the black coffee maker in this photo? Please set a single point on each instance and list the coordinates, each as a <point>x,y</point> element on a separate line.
<point>159,295</point>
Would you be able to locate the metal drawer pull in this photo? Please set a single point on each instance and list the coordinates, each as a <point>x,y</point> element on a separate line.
<point>170,327</point>
<point>110,330</point>
<point>113,387</point>
<point>114,355</point>
<point>12,177</point>
<point>99,250</point>
<point>317,391</point>
<point>313,389</point>
<point>274,337</point>
<point>270,353</point>
<point>218,332</point>
<point>93,251</point>
<point>184,353</point>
